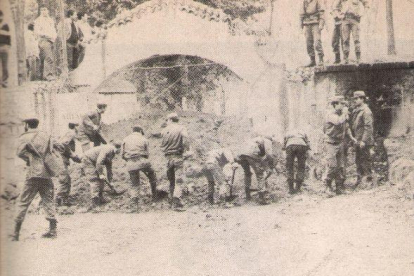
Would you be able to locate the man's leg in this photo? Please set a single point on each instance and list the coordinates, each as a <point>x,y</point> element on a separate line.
<point>331,164</point>
<point>357,43</point>
<point>310,44</point>
<point>136,185</point>
<point>290,159</point>
<point>358,162</point>
<point>366,163</point>
<point>210,182</point>
<point>46,49</point>
<point>346,33</point>
<point>336,40</point>
<point>316,32</point>
<point>247,178</point>
<point>25,199</point>
<point>69,54</point>
<point>220,180</point>
<point>46,192</point>
<point>4,55</point>
<point>63,188</point>
<point>300,176</point>
<point>152,179</point>
<point>259,170</point>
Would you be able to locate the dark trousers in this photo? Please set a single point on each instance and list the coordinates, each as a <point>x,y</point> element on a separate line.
<point>258,166</point>
<point>363,161</point>
<point>31,187</point>
<point>337,39</point>
<point>73,55</point>
<point>32,64</point>
<point>47,59</point>
<point>348,28</point>
<point>136,180</point>
<point>313,39</point>
<point>297,152</point>
<point>4,56</point>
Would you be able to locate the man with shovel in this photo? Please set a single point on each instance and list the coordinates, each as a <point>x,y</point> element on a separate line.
<point>213,170</point>
<point>94,161</point>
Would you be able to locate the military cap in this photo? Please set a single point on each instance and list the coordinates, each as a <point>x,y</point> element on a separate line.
<point>337,99</point>
<point>359,94</point>
<point>172,116</point>
<point>100,105</point>
<point>30,119</point>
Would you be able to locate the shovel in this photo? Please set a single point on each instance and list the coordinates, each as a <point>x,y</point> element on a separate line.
<point>113,191</point>
<point>231,197</point>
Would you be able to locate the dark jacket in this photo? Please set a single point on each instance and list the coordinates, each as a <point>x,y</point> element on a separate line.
<point>174,139</point>
<point>32,147</point>
<point>89,120</point>
<point>362,125</point>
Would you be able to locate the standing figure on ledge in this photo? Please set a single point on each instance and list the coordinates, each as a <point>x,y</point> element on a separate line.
<point>312,21</point>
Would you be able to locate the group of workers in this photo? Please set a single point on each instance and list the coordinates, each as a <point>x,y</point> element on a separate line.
<point>36,147</point>
<point>347,16</point>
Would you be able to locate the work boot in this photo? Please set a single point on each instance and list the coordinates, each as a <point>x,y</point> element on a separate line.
<point>358,57</point>
<point>58,201</point>
<point>51,234</point>
<point>320,60</point>
<point>16,233</point>
<point>262,198</point>
<point>299,184</point>
<point>346,58</point>
<point>312,62</point>
<point>339,187</point>
<point>94,204</point>
<point>337,58</point>
<point>177,205</point>
<point>210,199</point>
<point>291,188</point>
<point>328,183</point>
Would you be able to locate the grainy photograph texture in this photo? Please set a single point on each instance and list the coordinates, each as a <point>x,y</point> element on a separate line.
<point>207,137</point>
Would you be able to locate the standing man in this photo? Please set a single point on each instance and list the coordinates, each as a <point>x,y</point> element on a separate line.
<point>135,151</point>
<point>33,145</point>
<point>87,34</point>
<point>5,43</point>
<point>32,53</point>
<point>213,170</point>
<point>94,161</point>
<point>362,128</point>
<point>336,35</point>
<point>256,154</point>
<point>349,11</point>
<point>73,37</point>
<point>336,129</point>
<point>296,145</point>
<point>68,144</point>
<point>44,28</point>
<point>174,145</point>
<point>312,21</point>
<point>90,128</point>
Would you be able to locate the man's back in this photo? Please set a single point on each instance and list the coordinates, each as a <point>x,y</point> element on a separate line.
<point>135,145</point>
<point>173,139</point>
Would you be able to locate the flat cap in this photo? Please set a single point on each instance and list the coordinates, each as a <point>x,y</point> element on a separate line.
<point>30,119</point>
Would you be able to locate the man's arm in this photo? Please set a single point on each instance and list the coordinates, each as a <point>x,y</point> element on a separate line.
<point>302,14</point>
<point>22,151</point>
<point>307,142</point>
<point>87,121</point>
<point>336,119</point>
<point>368,126</point>
<point>102,160</point>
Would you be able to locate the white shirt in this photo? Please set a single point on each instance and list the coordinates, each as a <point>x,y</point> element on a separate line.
<point>86,31</point>
<point>45,26</point>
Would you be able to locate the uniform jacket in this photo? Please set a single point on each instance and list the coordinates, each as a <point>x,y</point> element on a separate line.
<point>336,127</point>
<point>67,142</point>
<point>29,143</point>
<point>311,12</point>
<point>258,147</point>
<point>173,139</point>
<point>362,124</point>
<point>349,8</point>
<point>101,157</point>
<point>89,121</point>
<point>220,156</point>
<point>296,137</point>
<point>135,145</point>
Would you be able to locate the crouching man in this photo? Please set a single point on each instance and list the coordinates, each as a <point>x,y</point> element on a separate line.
<point>213,170</point>
<point>33,146</point>
<point>135,151</point>
<point>94,161</point>
<point>257,154</point>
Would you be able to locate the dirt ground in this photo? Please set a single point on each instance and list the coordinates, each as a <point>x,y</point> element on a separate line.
<point>363,233</point>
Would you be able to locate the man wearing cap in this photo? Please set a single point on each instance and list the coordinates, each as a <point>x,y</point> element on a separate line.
<point>257,154</point>
<point>90,128</point>
<point>362,128</point>
<point>349,11</point>
<point>33,145</point>
<point>213,170</point>
<point>94,161</point>
<point>296,144</point>
<point>67,142</point>
<point>174,145</point>
<point>336,129</point>
<point>135,151</point>
<point>312,21</point>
